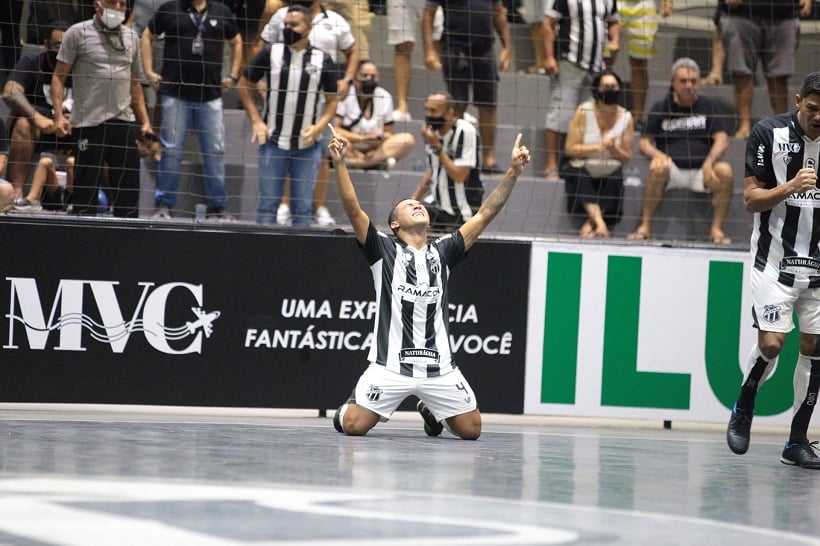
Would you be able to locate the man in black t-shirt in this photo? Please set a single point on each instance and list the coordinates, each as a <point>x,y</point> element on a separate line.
<point>685,138</point>
<point>190,86</point>
<point>27,92</point>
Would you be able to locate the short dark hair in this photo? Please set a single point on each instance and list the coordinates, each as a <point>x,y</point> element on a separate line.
<point>393,215</point>
<point>596,81</point>
<point>303,10</point>
<point>811,85</point>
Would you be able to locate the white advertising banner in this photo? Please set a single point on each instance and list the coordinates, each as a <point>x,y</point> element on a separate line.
<point>644,332</point>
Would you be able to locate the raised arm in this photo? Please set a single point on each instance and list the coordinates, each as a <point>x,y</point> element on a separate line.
<point>490,208</point>
<point>347,193</point>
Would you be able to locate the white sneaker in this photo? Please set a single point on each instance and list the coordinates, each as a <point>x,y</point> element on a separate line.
<point>401,116</point>
<point>471,118</point>
<point>323,217</point>
<point>283,215</point>
<point>162,213</point>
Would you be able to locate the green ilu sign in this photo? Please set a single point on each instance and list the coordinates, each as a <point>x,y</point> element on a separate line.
<point>622,384</point>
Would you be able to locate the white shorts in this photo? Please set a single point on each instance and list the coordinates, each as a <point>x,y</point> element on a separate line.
<point>381,391</point>
<point>773,304</point>
<point>687,179</point>
<point>404,17</point>
<point>532,11</point>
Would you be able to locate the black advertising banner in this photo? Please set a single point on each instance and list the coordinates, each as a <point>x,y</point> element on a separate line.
<point>131,314</point>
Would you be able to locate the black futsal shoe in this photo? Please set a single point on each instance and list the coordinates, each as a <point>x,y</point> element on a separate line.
<point>740,425</point>
<point>801,454</point>
<point>337,422</point>
<point>431,426</point>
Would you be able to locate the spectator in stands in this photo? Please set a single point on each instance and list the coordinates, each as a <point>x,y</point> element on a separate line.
<point>11,11</point>
<point>403,18</point>
<point>598,145</point>
<point>289,131</point>
<point>639,22</point>
<point>358,15</point>
<point>715,75</point>
<point>365,118</point>
<point>102,56</point>
<point>250,17</point>
<point>6,189</point>
<point>468,61</point>
<point>51,188</point>
<point>451,185</point>
<point>765,30</point>
<point>533,11</point>
<point>685,139</point>
<point>43,13</point>
<point>191,87</point>
<point>27,95</point>
<point>580,39</point>
<point>331,33</point>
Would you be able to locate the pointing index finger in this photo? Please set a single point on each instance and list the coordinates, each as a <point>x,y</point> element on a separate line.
<point>517,142</point>
<point>332,129</point>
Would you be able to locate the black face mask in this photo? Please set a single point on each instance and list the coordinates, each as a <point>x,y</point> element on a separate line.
<point>52,58</point>
<point>609,96</point>
<point>368,86</point>
<point>290,37</point>
<point>435,122</point>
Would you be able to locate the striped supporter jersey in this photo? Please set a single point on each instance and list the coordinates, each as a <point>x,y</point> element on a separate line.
<point>785,239</point>
<point>411,335</point>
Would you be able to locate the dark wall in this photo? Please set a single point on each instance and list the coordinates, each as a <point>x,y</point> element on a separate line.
<point>113,313</point>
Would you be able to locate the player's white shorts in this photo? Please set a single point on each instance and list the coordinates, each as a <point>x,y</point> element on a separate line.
<point>381,391</point>
<point>404,20</point>
<point>687,179</point>
<point>773,304</point>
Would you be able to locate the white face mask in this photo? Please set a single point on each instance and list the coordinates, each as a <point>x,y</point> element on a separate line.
<point>112,18</point>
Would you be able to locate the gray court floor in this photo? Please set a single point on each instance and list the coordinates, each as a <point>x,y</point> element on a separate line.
<point>155,476</point>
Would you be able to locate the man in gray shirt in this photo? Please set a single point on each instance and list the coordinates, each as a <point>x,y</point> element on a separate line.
<point>103,58</point>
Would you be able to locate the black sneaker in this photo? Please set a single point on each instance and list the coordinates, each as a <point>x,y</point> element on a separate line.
<point>737,435</point>
<point>431,426</point>
<point>801,454</point>
<point>337,423</point>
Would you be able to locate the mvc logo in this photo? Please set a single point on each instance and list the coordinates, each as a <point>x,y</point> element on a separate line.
<point>148,316</point>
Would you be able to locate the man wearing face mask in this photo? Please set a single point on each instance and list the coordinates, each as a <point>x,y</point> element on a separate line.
<point>685,138</point>
<point>331,33</point>
<point>102,57</point>
<point>451,185</point>
<point>288,133</point>
<point>365,118</point>
<point>190,89</point>
<point>27,95</point>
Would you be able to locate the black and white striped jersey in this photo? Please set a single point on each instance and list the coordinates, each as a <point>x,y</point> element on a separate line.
<point>785,239</point>
<point>582,30</point>
<point>297,82</point>
<point>411,334</point>
<point>463,145</point>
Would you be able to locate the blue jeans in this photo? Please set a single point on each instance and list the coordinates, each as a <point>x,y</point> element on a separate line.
<point>274,164</point>
<point>206,119</point>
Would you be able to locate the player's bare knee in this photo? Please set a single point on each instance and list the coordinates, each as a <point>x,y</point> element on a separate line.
<point>770,348</point>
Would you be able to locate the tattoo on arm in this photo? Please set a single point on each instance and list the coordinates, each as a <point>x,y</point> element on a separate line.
<point>496,201</point>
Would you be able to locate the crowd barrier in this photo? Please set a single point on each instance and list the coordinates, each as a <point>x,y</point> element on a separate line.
<point>136,312</point>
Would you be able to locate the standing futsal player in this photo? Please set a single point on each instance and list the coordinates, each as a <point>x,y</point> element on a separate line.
<point>780,188</point>
<point>411,353</point>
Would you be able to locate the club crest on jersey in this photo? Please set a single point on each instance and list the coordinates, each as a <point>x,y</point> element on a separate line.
<point>374,393</point>
<point>771,313</point>
<point>406,257</point>
<point>435,263</point>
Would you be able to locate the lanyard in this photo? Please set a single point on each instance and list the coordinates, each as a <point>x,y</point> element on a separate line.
<point>199,20</point>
